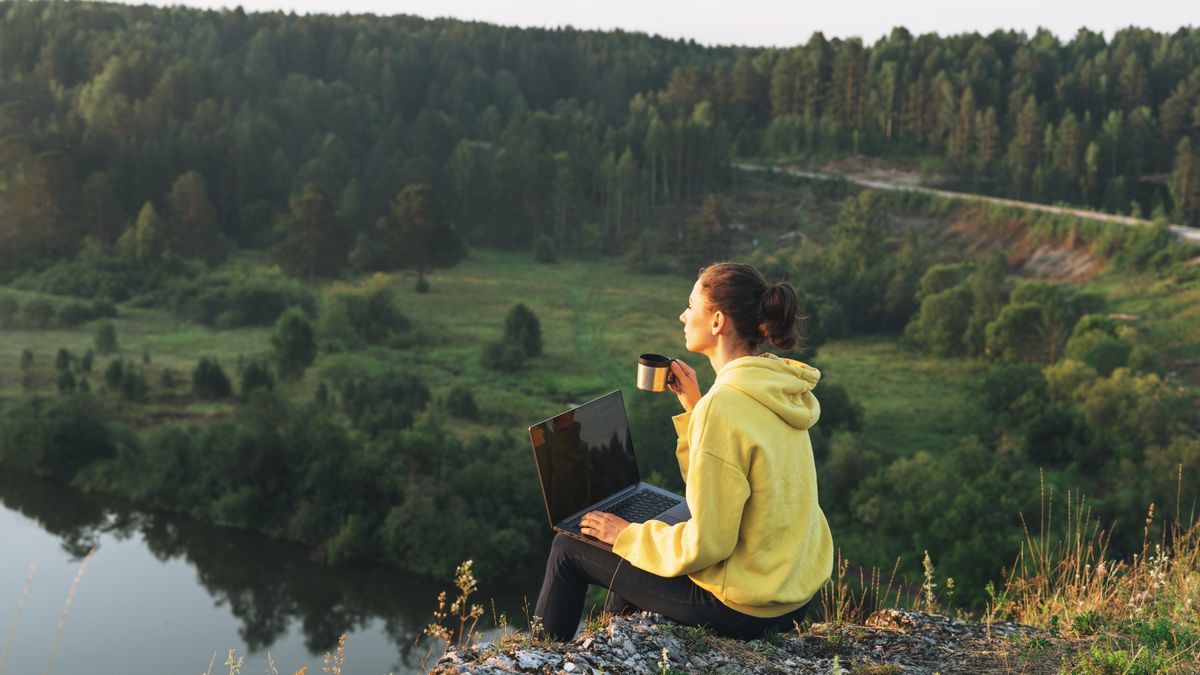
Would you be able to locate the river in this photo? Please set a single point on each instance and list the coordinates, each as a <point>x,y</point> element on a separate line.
<point>163,594</point>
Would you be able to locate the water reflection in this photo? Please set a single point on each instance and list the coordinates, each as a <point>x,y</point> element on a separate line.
<point>266,584</point>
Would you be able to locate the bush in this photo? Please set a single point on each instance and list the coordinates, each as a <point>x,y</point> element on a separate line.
<point>9,311</point>
<point>209,380</point>
<point>544,251</point>
<point>108,274</point>
<point>133,385</point>
<point>231,300</point>
<point>1108,354</point>
<point>66,382</point>
<point>1019,334</point>
<point>85,364</point>
<point>521,327</point>
<point>114,374</point>
<point>57,438</point>
<point>365,314</point>
<point>387,401</point>
<point>105,337</point>
<point>38,313</point>
<point>256,375</point>
<point>941,324</point>
<point>74,313</point>
<point>503,355</point>
<point>460,402</point>
<point>63,360</point>
<point>294,343</point>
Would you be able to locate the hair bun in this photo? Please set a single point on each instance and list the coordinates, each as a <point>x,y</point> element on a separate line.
<point>779,306</point>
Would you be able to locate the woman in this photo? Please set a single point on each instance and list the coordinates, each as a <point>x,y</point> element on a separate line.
<point>757,548</point>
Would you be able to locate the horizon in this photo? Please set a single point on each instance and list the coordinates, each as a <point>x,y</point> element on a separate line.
<point>758,23</point>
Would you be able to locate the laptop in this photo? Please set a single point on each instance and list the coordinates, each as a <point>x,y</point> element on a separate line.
<point>585,463</point>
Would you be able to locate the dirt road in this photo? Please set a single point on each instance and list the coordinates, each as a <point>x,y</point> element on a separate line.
<point>1190,234</point>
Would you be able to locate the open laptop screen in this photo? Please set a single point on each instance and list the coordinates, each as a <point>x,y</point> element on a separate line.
<point>584,455</point>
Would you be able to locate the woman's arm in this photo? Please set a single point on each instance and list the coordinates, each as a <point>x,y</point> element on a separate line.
<point>717,490</point>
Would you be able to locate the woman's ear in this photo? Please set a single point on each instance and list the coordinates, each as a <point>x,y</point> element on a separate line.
<point>718,322</point>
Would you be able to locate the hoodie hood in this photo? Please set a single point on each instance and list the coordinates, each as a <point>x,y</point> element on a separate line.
<point>782,385</point>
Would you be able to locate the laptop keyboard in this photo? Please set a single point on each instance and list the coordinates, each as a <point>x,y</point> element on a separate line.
<point>641,506</point>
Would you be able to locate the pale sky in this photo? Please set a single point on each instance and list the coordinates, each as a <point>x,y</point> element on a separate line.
<point>769,22</point>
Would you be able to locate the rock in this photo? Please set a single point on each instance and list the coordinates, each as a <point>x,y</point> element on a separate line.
<point>903,640</point>
<point>529,660</point>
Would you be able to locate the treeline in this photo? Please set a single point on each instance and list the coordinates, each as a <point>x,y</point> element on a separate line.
<point>245,130</point>
<point>1111,124</point>
<point>296,134</point>
<point>387,488</point>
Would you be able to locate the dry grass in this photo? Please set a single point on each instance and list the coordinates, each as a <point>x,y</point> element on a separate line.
<point>1141,615</point>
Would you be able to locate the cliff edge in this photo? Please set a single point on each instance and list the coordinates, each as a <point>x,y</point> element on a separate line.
<point>889,642</point>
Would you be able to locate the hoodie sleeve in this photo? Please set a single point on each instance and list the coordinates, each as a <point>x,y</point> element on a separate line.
<point>717,491</point>
<point>682,423</point>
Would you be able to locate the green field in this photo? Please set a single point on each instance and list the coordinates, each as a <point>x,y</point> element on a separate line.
<point>596,317</point>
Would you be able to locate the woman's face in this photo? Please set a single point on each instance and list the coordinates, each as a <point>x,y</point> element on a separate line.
<point>697,322</point>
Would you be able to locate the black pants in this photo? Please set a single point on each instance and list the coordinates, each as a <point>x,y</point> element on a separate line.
<point>573,565</point>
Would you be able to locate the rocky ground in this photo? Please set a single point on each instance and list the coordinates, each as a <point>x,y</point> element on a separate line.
<point>889,642</point>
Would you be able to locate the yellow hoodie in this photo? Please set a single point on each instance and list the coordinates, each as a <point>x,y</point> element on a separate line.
<point>757,538</point>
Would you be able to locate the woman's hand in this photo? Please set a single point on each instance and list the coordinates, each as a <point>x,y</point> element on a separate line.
<point>603,526</point>
<point>685,385</point>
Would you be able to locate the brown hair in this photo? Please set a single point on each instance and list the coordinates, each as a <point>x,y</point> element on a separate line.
<point>759,311</point>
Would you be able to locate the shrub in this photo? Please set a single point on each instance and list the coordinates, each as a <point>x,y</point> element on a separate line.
<point>74,313</point>
<point>1107,354</point>
<point>56,439</point>
<point>503,355</point>
<point>461,403</point>
<point>209,380</point>
<point>521,327</point>
<point>294,343</point>
<point>38,313</point>
<point>85,363</point>
<point>364,314</point>
<point>385,401</point>
<point>941,324</point>
<point>105,337</point>
<point>114,374</point>
<point>229,300</point>
<point>1019,334</point>
<point>66,382</point>
<point>110,274</point>
<point>9,310</point>
<point>256,375</point>
<point>63,360</point>
<point>133,385</point>
<point>543,250</point>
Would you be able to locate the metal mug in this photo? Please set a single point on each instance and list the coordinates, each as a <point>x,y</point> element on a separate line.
<point>654,372</point>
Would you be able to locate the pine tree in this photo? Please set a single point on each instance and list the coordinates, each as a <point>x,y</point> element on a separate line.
<point>429,239</point>
<point>193,220</point>
<point>1185,183</point>
<point>1026,145</point>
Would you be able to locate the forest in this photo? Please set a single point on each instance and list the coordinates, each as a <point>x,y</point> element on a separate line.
<point>277,175</point>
